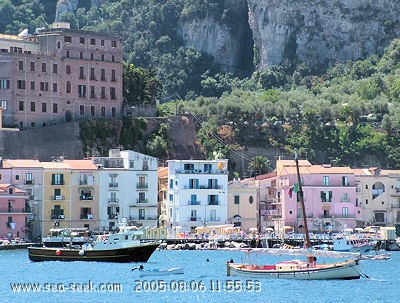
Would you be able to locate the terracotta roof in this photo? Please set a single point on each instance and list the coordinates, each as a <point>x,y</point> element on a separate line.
<point>81,164</point>
<point>4,188</point>
<point>55,165</point>
<point>22,163</point>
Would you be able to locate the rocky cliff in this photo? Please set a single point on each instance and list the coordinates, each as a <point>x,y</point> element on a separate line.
<point>317,32</point>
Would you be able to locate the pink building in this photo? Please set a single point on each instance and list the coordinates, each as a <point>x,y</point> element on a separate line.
<point>329,196</point>
<point>14,212</point>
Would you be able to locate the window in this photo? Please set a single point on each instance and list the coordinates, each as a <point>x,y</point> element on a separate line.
<point>113,75</point>
<point>345,181</point>
<point>68,69</point>
<point>236,199</point>
<point>44,67</point>
<point>54,87</point>
<point>113,197</point>
<point>57,179</point>
<point>113,112</point>
<point>113,43</point>
<point>251,199</point>
<point>103,74</point>
<point>92,92</point>
<point>345,197</point>
<point>113,58</point>
<point>44,107</point>
<point>193,215</point>
<point>213,183</point>
<point>81,72</point>
<point>92,111</point>
<point>67,54</point>
<point>82,40</point>
<point>21,84</point>
<point>212,199</point>
<point>103,92</point>
<point>82,91</point>
<point>325,181</point>
<point>142,214</point>
<point>92,75</point>
<point>21,65</point>
<point>4,84</point>
<point>112,93</point>
<point>345,212</point>
<point>32,106</point>
<point>57,212</point>
<point>4,104</point>
<point>326,196</point>
<point>103,111</point>
<point>44,86</point>
<point>207,168</point>
<point>102,43</point>
<point>28,178</point>
<point>21,105</point>
<point>91,56</point>
<point>193,183</point>
<point>92,41</point>
<point>68,87</point>
<point>67,39</point>
<point>32,85</point>
<point>380,217</point>
<point>80,55</point>
<point>55,68</point>
<point>102,57</point>
<point>142,198</point>
<point>32,66</point>
<point>213,215</point>
<point>131,164</point>
<point>82,110</point>
<point>55,108</point>
<point>86,213</point>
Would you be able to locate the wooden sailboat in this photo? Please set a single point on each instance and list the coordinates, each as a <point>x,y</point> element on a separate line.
<point>297,269</point>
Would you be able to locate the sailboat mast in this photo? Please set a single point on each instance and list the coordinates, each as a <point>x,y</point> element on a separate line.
<point>308,243</point>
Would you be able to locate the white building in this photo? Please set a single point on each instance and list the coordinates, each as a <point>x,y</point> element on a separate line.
<point>197,193</point>
<point>128,188</point>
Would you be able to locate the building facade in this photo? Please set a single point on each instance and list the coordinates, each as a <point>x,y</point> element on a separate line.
<point>128,189</point>
<point>197,193</point>
<point>59,75</point>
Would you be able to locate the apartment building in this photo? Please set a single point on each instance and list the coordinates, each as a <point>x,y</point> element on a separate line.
<point>27,175</point>
<point>128,189</point>
<point>378,194</point>
<point>59,75</point>
<point>197,193</point>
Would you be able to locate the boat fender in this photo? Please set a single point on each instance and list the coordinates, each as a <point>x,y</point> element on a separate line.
<point>81,252</point>
<point>58,252</point>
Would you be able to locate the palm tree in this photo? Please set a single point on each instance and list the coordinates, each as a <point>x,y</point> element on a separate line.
<point>259,165</point>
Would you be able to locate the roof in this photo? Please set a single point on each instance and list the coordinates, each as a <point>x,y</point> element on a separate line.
<point>22,163</point>
<point>81,164</point>
<point>55,165</point>
<point>4,188</point>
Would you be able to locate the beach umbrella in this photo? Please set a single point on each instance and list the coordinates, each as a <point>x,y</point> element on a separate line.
<point>253,229</point>
<point>269,229</point>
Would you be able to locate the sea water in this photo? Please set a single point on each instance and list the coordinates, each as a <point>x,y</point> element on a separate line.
<point>204,280</point>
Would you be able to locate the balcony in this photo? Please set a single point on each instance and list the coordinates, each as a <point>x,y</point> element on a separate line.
<point>194,219</point>
<point>113,200</point>
<point>113,216</point>
<point>14,210</point>
<point>213,203</point>
<point>57,182</point>
<point>86,198</point>
<point>194,203</point>
<point>113,184</point>
<point>58,217</point>
<point>213,219</point>
<point>57,198</point>
<point>28,182</point>
<point>141,200</point>
<point>86,217</point>
<point>142,186</point>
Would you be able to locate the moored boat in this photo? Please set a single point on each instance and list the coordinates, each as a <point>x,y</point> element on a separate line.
<point>124,246</point>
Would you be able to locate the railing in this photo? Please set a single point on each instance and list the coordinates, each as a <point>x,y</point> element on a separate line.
<point>113,200</point>
<point>213,219</point>
<point>27,182</point>
<point>57,198</point>
<point>86,197</point>
<point>15,210</point>
<point>142,185</point>
<point>194,218</point>
<point>58,217</point>
<point>141,200</point>
<point>199,171</point>
<point>57,182</point>
<point>344,216</point>
<point>87,217</point>
<point>345,200</point>
<point>194,203</point>
<point>213,203</point>
<point>113,216</point>
<point>113,184</point>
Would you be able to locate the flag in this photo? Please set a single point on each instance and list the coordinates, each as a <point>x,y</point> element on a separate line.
<point>296,187</point>
<point>290,192</point>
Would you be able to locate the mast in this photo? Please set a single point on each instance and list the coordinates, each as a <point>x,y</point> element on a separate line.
<point>308,243</point>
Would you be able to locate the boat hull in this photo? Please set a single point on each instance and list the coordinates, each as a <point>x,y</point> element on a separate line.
<point>140,253</point>
<point>347,270</point>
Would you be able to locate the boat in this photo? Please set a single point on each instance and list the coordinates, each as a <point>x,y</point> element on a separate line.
<point>352,244</point>
<point>161,272</point>
<point>124,246</point>
<point>64,236</point>
<point>298,269</point>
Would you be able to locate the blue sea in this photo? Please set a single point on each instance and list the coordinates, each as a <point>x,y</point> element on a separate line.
<point>204,280</point>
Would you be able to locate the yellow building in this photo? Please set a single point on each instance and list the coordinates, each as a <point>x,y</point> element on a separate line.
<point>84,194</point>
<point>163,196</point>
<point>243,210</point>
<point>56,210</point>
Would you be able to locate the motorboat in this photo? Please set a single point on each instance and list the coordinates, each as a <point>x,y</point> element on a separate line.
<point>161,272</point>
<point>124,246</point>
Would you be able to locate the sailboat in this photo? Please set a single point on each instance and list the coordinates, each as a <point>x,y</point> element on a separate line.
<point>299,269</point>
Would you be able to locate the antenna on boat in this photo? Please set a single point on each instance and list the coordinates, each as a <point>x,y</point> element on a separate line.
<point>308,243</point>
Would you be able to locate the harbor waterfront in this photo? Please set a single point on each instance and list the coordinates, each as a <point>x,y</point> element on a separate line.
<point>204,280</point>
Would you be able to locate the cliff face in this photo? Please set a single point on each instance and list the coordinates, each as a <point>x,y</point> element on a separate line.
<point>321,31</point>
<point>230,45</point>
<point>317,32</point>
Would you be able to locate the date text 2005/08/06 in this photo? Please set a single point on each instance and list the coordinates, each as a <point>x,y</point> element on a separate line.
<point>197,286</point>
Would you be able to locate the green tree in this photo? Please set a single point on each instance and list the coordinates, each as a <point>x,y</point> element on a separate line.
<point>259,165</point>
